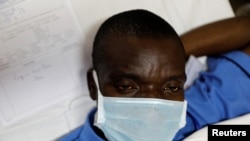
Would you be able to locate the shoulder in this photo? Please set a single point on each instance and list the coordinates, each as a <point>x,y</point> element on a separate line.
<point>246,50</point>
<point>234,62</point>
<point>214,94</point>
<point>227,74</point>
<point>73,135</point>
<point>84,132</point>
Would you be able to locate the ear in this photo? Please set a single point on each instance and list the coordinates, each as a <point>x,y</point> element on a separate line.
<point>91,84</point>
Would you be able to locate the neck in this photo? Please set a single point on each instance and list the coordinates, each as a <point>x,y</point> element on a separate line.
<point>97,130</point>
<point>100,133</point>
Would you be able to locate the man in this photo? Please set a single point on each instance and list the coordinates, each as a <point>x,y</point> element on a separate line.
<point>138,76</point>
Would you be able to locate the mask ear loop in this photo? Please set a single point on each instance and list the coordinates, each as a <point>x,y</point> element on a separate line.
<point>100,106</point>
<point>183,115</point>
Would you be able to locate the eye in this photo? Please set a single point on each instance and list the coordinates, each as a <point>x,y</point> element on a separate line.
<point>126,87</point>
<point>172,88</point>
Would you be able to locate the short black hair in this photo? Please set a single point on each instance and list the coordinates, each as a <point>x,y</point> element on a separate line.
<point>138,23</point>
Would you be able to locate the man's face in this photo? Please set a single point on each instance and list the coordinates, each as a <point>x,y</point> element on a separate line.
<point>143,68</point>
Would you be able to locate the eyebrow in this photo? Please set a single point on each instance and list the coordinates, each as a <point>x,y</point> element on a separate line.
<point>119,74</point>
<point>181,77</point>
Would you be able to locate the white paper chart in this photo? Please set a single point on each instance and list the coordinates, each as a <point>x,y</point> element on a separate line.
<point>40,56</point>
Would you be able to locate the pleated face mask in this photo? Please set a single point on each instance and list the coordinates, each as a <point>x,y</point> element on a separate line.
<point>139,119</point>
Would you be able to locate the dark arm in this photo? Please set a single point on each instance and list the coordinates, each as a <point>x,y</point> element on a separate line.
<point>218,37</point>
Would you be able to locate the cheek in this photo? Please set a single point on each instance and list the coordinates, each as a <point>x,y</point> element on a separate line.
<point>109,90</point>
<point>179,97</point>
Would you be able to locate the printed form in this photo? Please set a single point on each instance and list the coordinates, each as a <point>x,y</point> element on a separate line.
<point>41,56</point>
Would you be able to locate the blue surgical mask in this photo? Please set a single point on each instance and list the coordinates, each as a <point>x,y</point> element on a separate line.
<point>139,119</point>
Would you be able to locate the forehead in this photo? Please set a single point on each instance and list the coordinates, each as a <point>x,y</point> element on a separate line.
<point>140,55</point>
